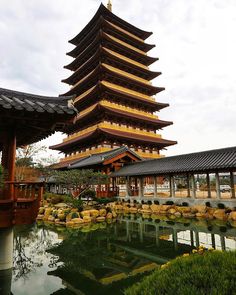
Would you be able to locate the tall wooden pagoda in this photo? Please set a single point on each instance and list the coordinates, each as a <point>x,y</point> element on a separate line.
<point>114,95</point>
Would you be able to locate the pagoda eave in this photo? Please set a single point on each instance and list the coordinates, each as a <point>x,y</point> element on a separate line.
<point>102,10</point>
<point>99,111</point>
<point>122,136</point>
<point>93,96</point>
<point>109,42</point>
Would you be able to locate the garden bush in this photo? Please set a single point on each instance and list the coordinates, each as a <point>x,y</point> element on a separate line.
<point>212,272</point>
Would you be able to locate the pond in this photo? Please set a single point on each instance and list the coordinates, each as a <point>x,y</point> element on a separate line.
<point>105,258</point>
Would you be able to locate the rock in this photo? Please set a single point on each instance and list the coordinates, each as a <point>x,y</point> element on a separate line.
<point>40,216</point>
<point>109,215</point>
<point>85,213</point>
<point>165,208</point>
<point>69,223</point>
<point>51,218</point>
<point>100,219</point>
<point>232,215</point>
<point>74,210</point>
<point>61,205</point>
<point>146,207</point>
<point>94,213</point>
<point>102,212</point>
<point>184,209</point>
<point>155,208</point>
<point>200,215</point>
<point>47,212</point>
<point>133,210</point>
<point>41,210</point>
<point>177,214</point>
<point>118,207</point>
<point>172,211</point>
<point>199,208</point>
<point>78,220</point>
<point>87,219</point>
<point>114,214</point>
<point>189,215</point>
<point>220,214</point>
<point>61,216</point>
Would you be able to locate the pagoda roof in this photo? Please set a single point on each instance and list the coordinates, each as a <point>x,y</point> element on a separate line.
<point>108,15</point>
<point>200,162</point>
<point>94,94</point>
<point>109,28</point>
<point>105,55</point>
<point>101,158</point>
<point>114,134</point>
<point>105,72</point>
<point>110,42</point>
<point>99,110</point>
<point>34,117</point>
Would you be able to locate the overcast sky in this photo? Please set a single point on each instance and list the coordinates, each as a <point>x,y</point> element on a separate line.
<point>195,42</point>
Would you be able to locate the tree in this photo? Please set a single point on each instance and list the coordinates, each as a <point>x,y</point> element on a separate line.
<point>25,157</point>
<point>77,181</point>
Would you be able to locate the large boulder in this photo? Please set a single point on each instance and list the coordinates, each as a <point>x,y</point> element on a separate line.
<point>220,214</point>
<point>102,212</point>
<point>145,207</point>
<point>77,220</point>
<point>155,208</point>
<point>100,219</point>
<point>87,219</point>
<point>199,209</point>
<point>232,215</point>
<point>94,213</point>
<point>85,213</point>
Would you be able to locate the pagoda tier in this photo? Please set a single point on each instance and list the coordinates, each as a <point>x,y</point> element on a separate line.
<point>104,72</point>
<point>113,92</point>
<point>116,94</point>
<point>85,64</point>
<point>115,44</point>
<point>109,16</point>
<point>118,114</point>
<point>105,136</point>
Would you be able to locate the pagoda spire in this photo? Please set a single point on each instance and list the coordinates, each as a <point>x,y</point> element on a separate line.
<point>109,5</point>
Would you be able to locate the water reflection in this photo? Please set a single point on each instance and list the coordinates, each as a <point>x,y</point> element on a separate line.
<point>104,258</point>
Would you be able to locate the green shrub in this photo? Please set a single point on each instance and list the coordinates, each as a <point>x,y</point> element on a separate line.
<point>221,206</point>
<point>88,194</point>
<point>53,198</point>
<point>105,200</point>
<point>213,272</point>
<point>169,203</point>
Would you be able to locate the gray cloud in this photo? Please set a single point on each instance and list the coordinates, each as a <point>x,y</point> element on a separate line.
<point>195,41</point>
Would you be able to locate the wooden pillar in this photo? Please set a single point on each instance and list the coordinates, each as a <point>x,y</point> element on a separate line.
<point>213,241</point>
<point>222,242</point>
<point>140,188</point>
<point>217,185</point>
<point>208,185</point>
<point>155,186</point>
<point>232,185</point>
<point>8,159</point>
<point>127,186</point>
<point>188,186</point>
<point>172,186</point>
<point>193,195</point>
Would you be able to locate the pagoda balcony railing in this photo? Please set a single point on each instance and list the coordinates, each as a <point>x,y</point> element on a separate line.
<point>107,192</point>
<point>19,202</point>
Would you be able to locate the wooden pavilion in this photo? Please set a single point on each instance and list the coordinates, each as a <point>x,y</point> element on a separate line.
<point>24,119</point>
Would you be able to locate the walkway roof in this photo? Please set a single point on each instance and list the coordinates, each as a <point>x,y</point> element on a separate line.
<point>201,162</point>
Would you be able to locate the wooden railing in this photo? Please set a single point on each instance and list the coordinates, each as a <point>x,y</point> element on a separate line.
<point>19,203</point>
<point>107,193</point>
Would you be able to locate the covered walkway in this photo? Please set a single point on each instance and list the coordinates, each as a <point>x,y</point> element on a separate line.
<point>194,178</point>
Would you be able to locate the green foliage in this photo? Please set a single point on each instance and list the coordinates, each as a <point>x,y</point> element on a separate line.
<point>80,178</point>
<point>210,273</point>
<point>55,199</point>
<point>88,194</point>
<point>105,200</point>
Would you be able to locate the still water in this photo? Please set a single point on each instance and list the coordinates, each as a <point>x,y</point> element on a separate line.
<point>105,258</point>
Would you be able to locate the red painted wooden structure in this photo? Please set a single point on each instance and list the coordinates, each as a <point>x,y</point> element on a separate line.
<point>24,119</point>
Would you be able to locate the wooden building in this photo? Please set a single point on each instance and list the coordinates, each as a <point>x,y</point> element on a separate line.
<point>111,80</point>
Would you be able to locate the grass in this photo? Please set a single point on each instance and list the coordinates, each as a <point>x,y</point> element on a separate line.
<point>211,272</point>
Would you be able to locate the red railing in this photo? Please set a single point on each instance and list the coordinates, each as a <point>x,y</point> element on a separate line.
<point>19,203</point>
<point>107,193</point>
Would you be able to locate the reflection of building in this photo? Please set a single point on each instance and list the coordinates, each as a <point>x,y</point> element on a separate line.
<point>114,95</point>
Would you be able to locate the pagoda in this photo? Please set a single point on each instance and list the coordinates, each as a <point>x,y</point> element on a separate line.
<point>111,81</point>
